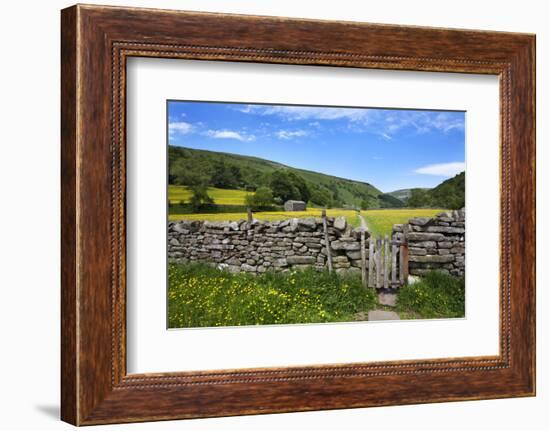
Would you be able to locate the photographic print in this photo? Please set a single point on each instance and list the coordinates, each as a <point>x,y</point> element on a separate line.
<point>294,214</point>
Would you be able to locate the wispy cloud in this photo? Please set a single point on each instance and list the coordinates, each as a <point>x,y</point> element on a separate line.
<point>229,134</point>
<point>179,127</point>
<point>294,113</point>
<point>442,169</point>
<point>384,122</point>
<point>290,134</point>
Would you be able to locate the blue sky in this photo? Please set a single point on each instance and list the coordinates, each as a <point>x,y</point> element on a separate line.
<point>389,148</point>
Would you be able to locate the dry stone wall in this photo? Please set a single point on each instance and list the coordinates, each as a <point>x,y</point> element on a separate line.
<point>435,243</point>
<point>258,246</point>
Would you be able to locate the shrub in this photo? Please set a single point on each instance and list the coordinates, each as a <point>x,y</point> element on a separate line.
<point>436,295</point>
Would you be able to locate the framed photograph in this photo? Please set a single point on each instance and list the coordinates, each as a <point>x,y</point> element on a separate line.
<point>263,214</point>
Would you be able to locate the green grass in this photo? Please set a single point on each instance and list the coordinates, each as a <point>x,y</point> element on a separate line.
<point>436,295</point>
<point>220,196</point>
<point>202,296</point>
<point>380,222</point>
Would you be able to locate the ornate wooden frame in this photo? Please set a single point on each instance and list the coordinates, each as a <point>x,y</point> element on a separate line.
<point>96,41</point>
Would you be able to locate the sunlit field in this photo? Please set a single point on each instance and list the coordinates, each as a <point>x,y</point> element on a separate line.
<point>380,222</point>
<point>176,194</point>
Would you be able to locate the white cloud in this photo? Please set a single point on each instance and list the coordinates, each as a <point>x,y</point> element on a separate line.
<point>442,169</point>
<point>180,127</point>
<point>289,134</point>
<point>384,122</point>
<point>293,113</point>
<point>229,134</point>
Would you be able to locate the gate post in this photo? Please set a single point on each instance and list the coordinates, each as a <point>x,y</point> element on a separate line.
<point>327,242</point>
<point>404,257</point>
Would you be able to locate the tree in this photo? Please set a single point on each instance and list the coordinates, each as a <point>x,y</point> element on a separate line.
<point>301,184</point>
<point>199,197</point>
<point>263,198</point>
<point>321,196</point>
<point>183,174</point>
<point>419,198</point>
<point>365,203</point>
<point>283,187</point>
<point>226,176</point>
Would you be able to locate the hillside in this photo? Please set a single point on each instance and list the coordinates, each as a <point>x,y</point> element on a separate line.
<point>449,194</point>
<point>402,194</point>
<point>191,167</point>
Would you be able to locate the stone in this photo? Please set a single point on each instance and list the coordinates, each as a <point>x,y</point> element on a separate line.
<point>412,279</point>
<point>375,315</point>
<point>387,298</point>
<point>216,224</point>
<point>345,272</point>
<point>300,260</point>
<point>432,258</point>
<point>420,221</point>
<point>181,229</point>
<point>233,261</point>
<point>313,245</point>
<point>340,223</point>
<point>308,223</point>
<point>233,269</point>
<point>425,236</point>
<point>445,229</point>
<point>354,254</point>
<point>248,268</point>
<point>423,244</point>
<point>345,245</point>
<point>174,242</point>
<point>339,259</point>
<point>417,251</point>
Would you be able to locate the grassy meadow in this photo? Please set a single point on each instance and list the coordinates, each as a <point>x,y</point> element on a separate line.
<point>203,296</point>
<point>200,295</point>
<point>379,221</point>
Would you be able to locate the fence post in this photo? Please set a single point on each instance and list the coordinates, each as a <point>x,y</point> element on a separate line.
<point>363,229</point>
<point>404,257</point>
<point>378,254</point>
<point>327,242</point>
<point>386,261</point>
<point>393,265</point>
<point>371,262</point>
<point>363,260</point>
<point>249,215</point>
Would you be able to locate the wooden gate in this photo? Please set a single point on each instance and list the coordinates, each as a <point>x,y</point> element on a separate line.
<point>388,262</point>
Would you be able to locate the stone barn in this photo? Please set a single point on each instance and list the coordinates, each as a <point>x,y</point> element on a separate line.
<point>295,206</point>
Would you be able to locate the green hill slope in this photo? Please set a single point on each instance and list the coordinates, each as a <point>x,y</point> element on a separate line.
<point>449,194</point>
<point>402,194</point>
<point>190,167</point>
